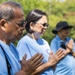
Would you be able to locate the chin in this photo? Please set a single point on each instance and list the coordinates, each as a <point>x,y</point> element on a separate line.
<point>15,39</point>
<point>18,38</point>
<point>41,35</point>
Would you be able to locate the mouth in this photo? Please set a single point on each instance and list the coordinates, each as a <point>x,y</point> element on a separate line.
<point>20,34</point>
<point>43,31</point>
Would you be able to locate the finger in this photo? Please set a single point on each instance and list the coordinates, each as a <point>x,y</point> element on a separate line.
<point>71,42</point>
<point>37,54</point>
<point>24,57</point>
<point>61,55</point>
<point>38,65</point>
<point>59,51</point>
<point>38,59</point>
<point>51,53</point>
<point>36,62</point>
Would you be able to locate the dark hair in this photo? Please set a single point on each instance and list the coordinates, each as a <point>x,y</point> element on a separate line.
<point>33,16</point>
<point>7,10</point>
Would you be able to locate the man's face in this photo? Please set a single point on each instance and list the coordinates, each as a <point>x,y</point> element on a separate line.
<point>64,32</point>
<point>14,28</point>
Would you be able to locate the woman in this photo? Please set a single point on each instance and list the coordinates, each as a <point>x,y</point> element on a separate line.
<point>67,65</point>
<point>32,43</point>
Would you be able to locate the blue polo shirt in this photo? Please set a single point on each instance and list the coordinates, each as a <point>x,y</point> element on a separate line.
<point>29,46</point>
<point>12,56</point>
<point>67,65</point>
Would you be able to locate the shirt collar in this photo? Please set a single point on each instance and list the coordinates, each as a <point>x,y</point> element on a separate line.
<point>59,39</point>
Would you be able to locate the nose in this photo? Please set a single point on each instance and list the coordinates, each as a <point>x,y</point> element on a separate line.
<point>22,28</point>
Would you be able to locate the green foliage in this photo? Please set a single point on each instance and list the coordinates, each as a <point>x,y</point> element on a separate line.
<point>56,10</point>
<point>2,1</point>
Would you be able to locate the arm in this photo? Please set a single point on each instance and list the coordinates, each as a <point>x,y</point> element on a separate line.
<point>53,59</point>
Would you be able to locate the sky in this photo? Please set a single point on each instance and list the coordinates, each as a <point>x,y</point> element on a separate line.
<point>62,0</point>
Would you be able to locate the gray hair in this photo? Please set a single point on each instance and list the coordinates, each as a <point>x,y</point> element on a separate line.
<point>7,10</point>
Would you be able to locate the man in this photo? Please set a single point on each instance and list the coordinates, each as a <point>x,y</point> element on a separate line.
<point>11,28</point>
<point>67,65</point>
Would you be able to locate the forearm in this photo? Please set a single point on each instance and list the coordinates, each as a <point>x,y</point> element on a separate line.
<point>42,68</point>
<point>67,51</point>
<point>71,52</point>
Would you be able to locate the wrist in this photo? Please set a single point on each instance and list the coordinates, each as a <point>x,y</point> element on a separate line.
<point>21,72</point>
<point>49,64</point>
<point>68,51</point>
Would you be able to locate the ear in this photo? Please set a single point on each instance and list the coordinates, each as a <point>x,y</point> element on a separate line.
<point>31,25</point>
<point>2,22</point>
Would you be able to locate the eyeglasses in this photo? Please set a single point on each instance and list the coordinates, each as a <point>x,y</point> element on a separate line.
<point>44,24</point>
<point>21,23</point>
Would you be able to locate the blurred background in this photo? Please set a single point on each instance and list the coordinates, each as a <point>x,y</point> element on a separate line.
<point>57,10</point>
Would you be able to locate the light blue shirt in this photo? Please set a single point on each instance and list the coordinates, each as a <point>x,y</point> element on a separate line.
<point>12,56</point>
<point>67,65</point>
<point>30,47</point>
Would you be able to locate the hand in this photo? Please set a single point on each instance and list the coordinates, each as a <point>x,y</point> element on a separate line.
<point>69,46</point>
<point>54,58</point>
<point>29,66</point>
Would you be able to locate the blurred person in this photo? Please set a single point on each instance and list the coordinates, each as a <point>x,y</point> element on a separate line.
<point>67,65</point>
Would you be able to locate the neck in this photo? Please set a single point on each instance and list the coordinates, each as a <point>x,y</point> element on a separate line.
<point>33,36</point>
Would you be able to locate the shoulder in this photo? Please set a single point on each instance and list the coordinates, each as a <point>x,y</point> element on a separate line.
<point>24,42</point>
<point>24,39</point>
<point>43,41</point>
<point>68,38</point>
<point>54,40</point>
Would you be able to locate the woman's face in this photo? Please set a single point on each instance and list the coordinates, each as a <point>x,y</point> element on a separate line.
<point>40,26</point>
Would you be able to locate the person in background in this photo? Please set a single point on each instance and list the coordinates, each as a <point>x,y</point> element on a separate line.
<point>12,25</point>
<point>30,44</point>
<point>67,65</point>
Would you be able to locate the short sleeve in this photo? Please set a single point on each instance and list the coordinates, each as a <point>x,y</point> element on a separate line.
<point>3,66</point>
